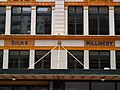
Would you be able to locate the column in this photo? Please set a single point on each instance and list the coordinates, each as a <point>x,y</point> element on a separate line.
<point>52,27</point>
<point>112,59</point>
<point>59,18</point>
<point>58,59</point>
<point>33,20</point>
<point>66,20</point>
<point>86,21</point>
<point>111,21</point>
<point>32,59</point>
<point>86,59</point>
<point>8,20</point>
<point>5,59</point>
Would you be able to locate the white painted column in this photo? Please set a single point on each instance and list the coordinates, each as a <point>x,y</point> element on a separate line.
<point>5,59</point>
<point>86,20</point>
<point>33,20</point>
<point>111,21</point>
<point>60,63</point>
<point>66,20</point>
<point>32,59</point>
<point>8,20</point>
<point>112,59</point>
<point>86,59</point>
<point>53,15</point>
<point>59,18</point>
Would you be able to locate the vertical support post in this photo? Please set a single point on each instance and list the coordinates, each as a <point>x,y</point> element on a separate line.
<point>86,25</point>
<point>33,20</point>
<point>111,21</point>
<point>5,59</point>
<point>8,20</point>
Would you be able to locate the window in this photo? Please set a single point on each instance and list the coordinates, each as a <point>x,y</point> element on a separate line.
<point>1,59</point>
<point>2,19</point>
<point>75,21</point>
<point>103,86</point>
<point>43,20</point>
<point>117,20</point>
<point>21,20</point>
<point>77,85</point>
<point>98,21</point>
<point>74,64</point>
<point>43,63</point>
<point>99,59</point>
<point>18,59</point>
<point>117,59</point>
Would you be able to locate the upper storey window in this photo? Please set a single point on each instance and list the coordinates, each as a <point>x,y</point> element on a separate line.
<point>44,63</point>
<point>99,59</point>
<point>2,19</point>
<point>98,21</point>
<point>21,20</point>
<point>18,59</point>
<point>43,20</point>
<point>117,20</point>
<point>74,64</point>
<point>75,21</point>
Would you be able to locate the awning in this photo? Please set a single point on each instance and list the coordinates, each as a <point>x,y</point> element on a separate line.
<point>59,74</point>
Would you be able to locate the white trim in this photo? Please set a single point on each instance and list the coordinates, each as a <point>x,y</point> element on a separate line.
<point>8,20</point>
<point>111,21</point>
<point>5,59</point>
<point>112,59</point>
<point>86,59</point>
<point>32,59</point>
<point>33,20</point>
<point>85,21</point>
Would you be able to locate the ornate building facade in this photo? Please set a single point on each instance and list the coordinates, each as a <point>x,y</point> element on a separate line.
<point>59,44</point>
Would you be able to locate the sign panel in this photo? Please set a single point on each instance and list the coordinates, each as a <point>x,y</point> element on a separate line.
<point>100,43</point>
<point>19,42</point>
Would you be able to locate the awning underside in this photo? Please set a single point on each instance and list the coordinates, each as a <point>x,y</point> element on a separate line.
<point>59,74</point>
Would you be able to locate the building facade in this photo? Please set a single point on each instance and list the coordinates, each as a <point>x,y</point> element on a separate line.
<point>59,44</point>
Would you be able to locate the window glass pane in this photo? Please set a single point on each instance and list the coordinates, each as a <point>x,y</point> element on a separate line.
<point>117,20</point>
<point>2,19</point>
<point>1,59</point>
<point>93,10</point>
<point>14,52</point>
<point>71,9</point>
<point>43,23</point>
<point>2,24</point>
<point>44,63</point>
<point>24,53</point>
<point>98,21</point>
<point>76,85</point>
<point>26,9</point>
<point>21,20</point>
<point>79,9</point>
<point>99,59</point>
<point>16,10</point>
<point>117,59</point>
<point>103,9</point>
<point>72,62</point>
<point>19,59</point>
<point>2,10</point>
<point>75,21</point>
<point>43,10</point>
<point>102,86</point>
<point>117,10</point>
